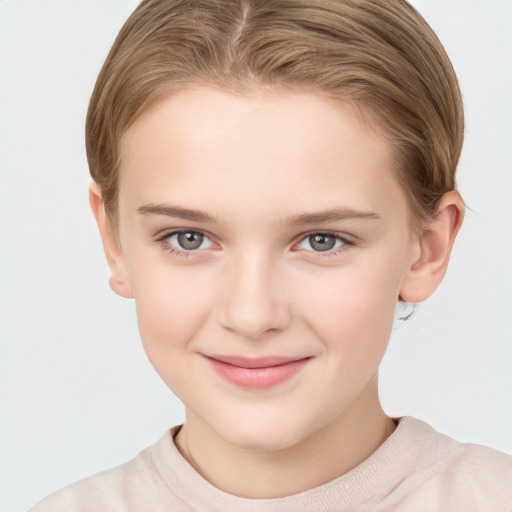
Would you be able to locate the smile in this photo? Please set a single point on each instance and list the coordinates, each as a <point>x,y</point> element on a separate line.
<point>256,373</point>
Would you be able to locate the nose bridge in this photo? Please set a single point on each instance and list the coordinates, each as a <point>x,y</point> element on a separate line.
<point>256,302</point>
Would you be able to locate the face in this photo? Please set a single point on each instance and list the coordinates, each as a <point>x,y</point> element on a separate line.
<point>265,240</point>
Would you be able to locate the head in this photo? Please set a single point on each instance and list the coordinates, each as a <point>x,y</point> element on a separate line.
<point>237,117</point>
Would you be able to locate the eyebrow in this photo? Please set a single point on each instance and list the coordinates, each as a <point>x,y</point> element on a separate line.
<point>336,214</point>
<point>331,215</point>
<point>175,211</point>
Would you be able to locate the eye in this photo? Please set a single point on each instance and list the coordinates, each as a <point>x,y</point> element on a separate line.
<point>187,240</point>
<point>322,242</point>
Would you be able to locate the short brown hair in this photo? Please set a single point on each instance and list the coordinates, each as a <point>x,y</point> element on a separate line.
<point>380,55</point>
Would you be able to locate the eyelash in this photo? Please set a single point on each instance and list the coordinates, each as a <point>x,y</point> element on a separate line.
<point>173,250</point>
<point>185,254</point>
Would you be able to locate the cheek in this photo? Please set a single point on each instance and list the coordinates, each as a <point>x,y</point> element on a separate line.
<point>171,308</point>
<point>352,310</point>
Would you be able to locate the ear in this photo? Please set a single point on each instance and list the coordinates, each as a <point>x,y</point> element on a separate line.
<point>434,245</point>
<point>119,278</point>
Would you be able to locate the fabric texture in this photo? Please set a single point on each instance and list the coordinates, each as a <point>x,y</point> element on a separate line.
<point>415,469</point>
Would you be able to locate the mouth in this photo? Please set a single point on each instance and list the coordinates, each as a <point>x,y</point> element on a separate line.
<point>256,372</point>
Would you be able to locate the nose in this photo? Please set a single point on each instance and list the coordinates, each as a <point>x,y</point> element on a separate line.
<point>256,301</point>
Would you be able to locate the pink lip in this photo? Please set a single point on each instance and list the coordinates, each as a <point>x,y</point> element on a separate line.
<point>256,373</point>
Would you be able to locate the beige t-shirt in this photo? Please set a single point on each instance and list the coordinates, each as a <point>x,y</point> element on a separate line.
<point>416,469</point>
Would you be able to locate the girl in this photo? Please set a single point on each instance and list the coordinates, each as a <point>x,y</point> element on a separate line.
<point>270,180</point>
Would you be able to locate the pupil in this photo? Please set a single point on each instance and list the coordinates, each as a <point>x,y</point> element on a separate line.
<point>322,242</point>
<point>190,240</point>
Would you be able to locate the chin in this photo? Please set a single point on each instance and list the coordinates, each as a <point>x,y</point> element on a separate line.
<point>262,434</point>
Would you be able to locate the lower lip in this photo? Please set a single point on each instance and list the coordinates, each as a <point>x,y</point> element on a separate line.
<point>257,378</point>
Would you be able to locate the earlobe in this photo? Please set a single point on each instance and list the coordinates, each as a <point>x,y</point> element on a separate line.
<point>429,262</point>
<point>119,279</point>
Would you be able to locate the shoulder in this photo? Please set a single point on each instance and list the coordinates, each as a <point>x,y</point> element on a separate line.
<point>129,486</point>
<point>485,475</point>
<point>107,490</point>
<point>459,476</point>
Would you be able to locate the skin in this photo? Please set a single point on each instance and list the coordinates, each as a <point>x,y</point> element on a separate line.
<point>256,286</point>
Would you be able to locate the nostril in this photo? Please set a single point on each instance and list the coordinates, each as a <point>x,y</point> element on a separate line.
<point>253,321</point>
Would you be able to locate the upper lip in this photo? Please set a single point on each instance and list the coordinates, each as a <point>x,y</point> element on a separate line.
<point>255,362</point>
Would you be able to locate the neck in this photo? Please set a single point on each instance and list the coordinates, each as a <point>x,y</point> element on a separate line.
<point>327,454</point>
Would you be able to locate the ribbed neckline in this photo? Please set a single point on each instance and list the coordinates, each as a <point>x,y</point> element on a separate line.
<point>369,482</point>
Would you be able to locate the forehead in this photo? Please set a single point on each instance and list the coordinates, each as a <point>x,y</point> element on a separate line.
<point>279,149</point>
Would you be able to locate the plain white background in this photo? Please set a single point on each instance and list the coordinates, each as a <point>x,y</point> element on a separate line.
<point>77,393</point>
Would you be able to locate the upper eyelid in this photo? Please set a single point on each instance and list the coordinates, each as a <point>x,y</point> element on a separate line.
<point>169,232</point>
<point>348,240</point>
<point>336,234</point>
<point>166,233</point>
